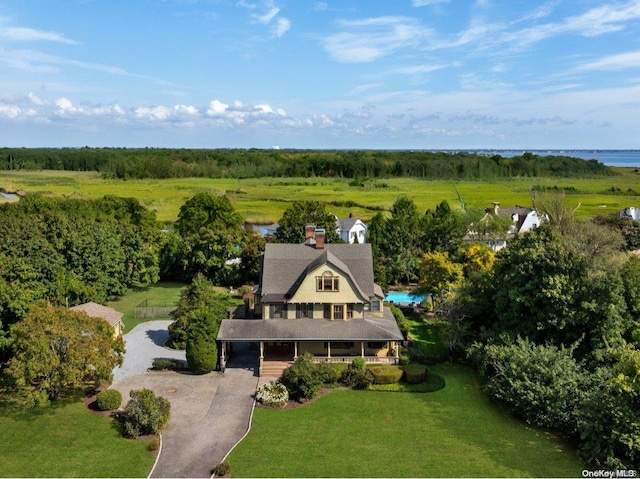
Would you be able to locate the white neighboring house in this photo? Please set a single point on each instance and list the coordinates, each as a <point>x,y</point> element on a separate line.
<point>351,228</point>
<point>523,219</point>
<point>631,213</point>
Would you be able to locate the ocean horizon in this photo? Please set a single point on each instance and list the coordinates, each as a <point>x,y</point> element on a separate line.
<point>623,158</point>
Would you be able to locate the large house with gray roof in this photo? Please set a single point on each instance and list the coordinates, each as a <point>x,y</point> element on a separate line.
<point>316,298</point>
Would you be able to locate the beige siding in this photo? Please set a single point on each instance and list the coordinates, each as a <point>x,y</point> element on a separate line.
<point>307,292</point>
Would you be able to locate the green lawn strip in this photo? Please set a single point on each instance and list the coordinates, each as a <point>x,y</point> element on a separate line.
<point>454,432</point>
<point>424,334</point>
<point>158,294</point>
<point>263,200</point>
<point>68,441</point>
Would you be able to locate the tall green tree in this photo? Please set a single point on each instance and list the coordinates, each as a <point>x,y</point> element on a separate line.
<point>301,213</point>
<point>211,239</point>
<point>57,350</point>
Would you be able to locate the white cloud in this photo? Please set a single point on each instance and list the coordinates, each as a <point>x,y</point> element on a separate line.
<point>368,39</point>
<point>425,3</point>
<point>614,62</point>
<point>36,100</point>
<point>65,106</point>
<point>282,26</point>
<point>217,108</point>
<point>267,17</point>
<point>26,34</point>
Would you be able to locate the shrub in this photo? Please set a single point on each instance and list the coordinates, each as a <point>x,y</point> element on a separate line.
<point>145,413</point>
<point>272,394</point>
<point>359,363</point>
<point>434,382</point>
<point>154,445</point>
<point>357,378</point>
<point>386,374</point>
<point>222,469</point>
<point>403,323</point>
<point>302,379</point>
<point>108,400</point>
<point>329,374</point>
<point>415,373</point>
<point>162,364</point>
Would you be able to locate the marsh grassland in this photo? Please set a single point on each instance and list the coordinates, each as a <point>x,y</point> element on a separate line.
<point>262,200</point>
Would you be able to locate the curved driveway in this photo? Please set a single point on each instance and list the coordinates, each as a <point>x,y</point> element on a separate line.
<point>209,413</point>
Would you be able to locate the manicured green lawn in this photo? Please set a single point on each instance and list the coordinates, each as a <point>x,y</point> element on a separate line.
<point>454,432</point>
<point>68,441</point>
<point>165,293</point>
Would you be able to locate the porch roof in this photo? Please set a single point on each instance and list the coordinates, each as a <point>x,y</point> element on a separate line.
<point>371,328</point>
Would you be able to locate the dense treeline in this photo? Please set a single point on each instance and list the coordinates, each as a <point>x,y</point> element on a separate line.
<point>238,163</point>
<point>65,251</point>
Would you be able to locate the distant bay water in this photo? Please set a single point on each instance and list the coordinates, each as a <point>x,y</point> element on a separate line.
<point>628,158</point>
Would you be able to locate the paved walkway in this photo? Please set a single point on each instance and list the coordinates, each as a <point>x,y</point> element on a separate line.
<point>209,413</point>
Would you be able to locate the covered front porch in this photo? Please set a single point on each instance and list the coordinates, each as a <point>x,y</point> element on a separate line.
<point>374,352</point>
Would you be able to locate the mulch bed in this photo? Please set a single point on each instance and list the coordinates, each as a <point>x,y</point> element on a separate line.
<point>92,405</point>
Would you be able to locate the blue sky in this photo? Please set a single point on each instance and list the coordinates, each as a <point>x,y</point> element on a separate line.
<point>390,74</point>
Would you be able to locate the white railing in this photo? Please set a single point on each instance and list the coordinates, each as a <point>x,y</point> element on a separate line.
<point>349,359</point>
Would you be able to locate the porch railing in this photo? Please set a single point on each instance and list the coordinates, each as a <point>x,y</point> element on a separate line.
<point>349,359</point>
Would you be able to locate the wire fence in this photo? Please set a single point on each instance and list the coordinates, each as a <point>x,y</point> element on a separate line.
<point>157,309</point>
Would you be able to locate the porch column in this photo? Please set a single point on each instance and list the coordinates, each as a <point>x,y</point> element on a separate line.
<point>261,358</point>
<point>295,350</point>
<point>362,348</point>
<point>223,361</point>
<point>328,349</point>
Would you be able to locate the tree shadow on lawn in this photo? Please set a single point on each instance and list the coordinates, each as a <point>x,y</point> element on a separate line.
<point>13,405</point>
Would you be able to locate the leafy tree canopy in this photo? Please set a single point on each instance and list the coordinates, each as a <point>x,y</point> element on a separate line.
<point>57,350</point>
<point>301,213</point>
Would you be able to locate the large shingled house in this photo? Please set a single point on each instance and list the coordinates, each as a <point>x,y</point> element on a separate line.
<point>316,298</point>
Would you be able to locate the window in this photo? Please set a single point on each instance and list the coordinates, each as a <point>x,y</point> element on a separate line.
<point>277,311</point>
<point>375,305</point>
<point>304,310</point>
<point>326,311</point>
<point>338,311</point>
<point>349,311</point>
<point>376,344</point>
<point>327,282</point>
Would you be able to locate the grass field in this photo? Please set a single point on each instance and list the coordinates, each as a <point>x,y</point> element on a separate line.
<point>263,200</point>
<point>159,294</point>
<point>454,432</point>
<point>67,440</point>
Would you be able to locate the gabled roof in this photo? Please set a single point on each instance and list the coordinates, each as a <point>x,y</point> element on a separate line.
<point>96,310</point>
<point>284,267</point>
<point>345,224</point>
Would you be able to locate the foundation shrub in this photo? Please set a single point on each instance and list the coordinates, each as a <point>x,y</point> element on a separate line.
<point>222,469</point>
<point>302,379</point>
<point>415,373</point>
<point>386,374</point>
<point>108,400</point>
<point>356,376</point>
<point>328,374</point>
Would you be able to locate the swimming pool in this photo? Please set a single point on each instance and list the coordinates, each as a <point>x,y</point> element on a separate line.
<point>403,297</point>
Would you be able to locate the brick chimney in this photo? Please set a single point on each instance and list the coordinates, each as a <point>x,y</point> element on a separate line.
<point>309,231</point>
<point>319,232</point>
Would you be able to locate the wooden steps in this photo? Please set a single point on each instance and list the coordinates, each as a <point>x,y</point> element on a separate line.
<point>273,369</point>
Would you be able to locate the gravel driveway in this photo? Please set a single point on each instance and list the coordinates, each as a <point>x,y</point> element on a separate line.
<point>144,343</point>
<point>209,413</point>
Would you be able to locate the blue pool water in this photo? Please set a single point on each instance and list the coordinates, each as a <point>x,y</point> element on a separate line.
<point>402,297</point>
